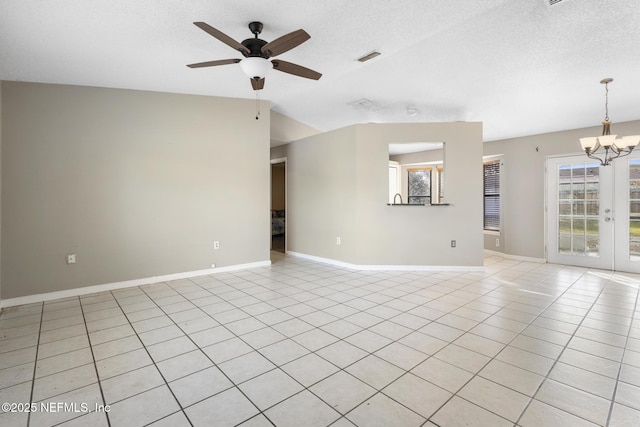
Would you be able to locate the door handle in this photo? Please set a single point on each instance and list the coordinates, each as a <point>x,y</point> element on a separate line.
<point>607,219</point>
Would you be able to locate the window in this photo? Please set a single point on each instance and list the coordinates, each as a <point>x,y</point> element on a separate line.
<point>492,195</point>
<point>419,185</point>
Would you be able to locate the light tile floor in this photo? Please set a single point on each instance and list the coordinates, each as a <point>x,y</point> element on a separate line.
<point>308,344</point>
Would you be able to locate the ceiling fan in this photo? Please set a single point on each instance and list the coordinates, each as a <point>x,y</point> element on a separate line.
<point>257,52</point>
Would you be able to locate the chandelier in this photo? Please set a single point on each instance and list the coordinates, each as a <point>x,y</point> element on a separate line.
<point>613,147</point>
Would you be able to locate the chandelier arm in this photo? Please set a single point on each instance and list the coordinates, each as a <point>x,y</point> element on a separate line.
<point>624,153</point>
<point>591,156</point>
<point>607,157</point>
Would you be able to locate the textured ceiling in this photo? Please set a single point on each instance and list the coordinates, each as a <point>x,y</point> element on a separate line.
<point>521,67</point>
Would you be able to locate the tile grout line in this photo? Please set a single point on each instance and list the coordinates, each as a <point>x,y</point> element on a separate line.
<point>557,359</point>
<point>378,391</point>
<point>152,361</point>
<point>412,331</point>
<point>35,362</point>
<point>305,388</point>
<point>505,345</point>
<point>260,411</point>
<point>380,304</point>
<point>95,367</point>
<point>339,289</point>
<point>277,367</point>
<point>624,351</point>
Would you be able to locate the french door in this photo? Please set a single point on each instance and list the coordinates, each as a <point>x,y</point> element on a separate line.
<point>593,213</point>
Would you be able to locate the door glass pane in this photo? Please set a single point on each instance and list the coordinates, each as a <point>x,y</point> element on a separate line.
<point>564,191</point>
<point>634,209</point>
<point>593,244</point>
<point>591,207</point>
<point>564,244</point>
<point>577,190</point>
<point>578,203</point>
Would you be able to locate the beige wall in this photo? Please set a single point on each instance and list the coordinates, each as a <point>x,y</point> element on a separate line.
<point>523,184</point>
<point>284,129</point>
<point>420,235</point>
<point>137,184</point>
<point>338,185</point>
<point>321,195</point>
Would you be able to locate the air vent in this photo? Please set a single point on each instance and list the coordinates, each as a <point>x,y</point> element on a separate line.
<point>369,56</point>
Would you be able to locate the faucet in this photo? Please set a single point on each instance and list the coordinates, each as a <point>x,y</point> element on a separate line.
<point>394,198</point>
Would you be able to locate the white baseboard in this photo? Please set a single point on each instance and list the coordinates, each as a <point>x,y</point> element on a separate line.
<point>29,299</point>
<point>461,268</point>
<point>515,257</point>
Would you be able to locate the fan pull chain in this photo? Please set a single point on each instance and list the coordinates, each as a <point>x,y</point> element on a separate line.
<point>257,104</point>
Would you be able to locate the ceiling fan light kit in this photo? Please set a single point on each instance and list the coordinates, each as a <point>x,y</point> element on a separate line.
<point>257,53</point>
<point>613,147</point>
<point>255,67</point>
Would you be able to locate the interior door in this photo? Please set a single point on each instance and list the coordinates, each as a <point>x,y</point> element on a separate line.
<point>580,225</point>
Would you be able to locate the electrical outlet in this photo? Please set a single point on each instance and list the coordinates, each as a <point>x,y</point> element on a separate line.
<point>338,241</point>
<point>216,245</point>
<point>213,266</point>
<point>453,243</point>
<point>71,259</point>
<point>497,243</point>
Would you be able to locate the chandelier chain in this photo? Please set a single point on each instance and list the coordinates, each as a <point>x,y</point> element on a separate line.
<point>606,102</point>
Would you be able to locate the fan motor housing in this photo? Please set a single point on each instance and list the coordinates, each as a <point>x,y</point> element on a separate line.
<point>254,46</point>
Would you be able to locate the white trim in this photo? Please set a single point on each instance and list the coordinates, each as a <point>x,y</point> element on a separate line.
<point>9,302</point>
<point>461,268</point>
<point>491,157</point>
<point>515,257</point>
<point>278,160</point>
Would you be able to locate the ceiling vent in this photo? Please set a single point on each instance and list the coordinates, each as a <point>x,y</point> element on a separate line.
<point>369,56</point>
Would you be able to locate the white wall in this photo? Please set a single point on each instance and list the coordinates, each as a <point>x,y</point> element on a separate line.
<point>137,184</point>
<point>523,185</point>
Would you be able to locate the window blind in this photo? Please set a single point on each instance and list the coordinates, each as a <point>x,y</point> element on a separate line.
<point>492,195</point>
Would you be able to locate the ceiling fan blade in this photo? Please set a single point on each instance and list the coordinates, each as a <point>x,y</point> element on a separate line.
<point>295,69</point>
<point>214,63</point>
<point>222,37</point>
<point>257,84</point>
<point>285,43</point>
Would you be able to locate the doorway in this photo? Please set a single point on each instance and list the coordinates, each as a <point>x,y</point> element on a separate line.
<point>279,205</point>
<point>593,213</point>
